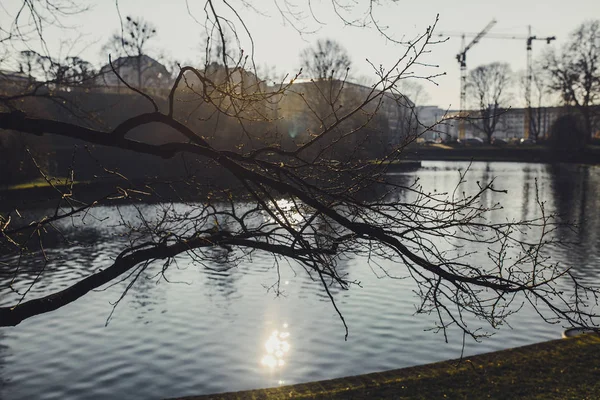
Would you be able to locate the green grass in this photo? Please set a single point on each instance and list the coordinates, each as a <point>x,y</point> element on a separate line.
<point>40,183</point>
<point>560,369</point>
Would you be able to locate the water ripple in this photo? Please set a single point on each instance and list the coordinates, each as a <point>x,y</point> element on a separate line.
<point>208,333</point>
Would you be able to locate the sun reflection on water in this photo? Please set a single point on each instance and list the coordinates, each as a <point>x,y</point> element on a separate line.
<point>277,346</point>
<point>293,211</point>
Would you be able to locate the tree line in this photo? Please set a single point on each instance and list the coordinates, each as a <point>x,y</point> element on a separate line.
<point>285,119</point>
<point>567,77</point>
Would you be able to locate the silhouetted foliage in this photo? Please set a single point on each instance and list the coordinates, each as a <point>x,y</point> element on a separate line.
<point>566,134</point>
<point>575,72</point>
<point>72,71</point>
<point>327,59</point>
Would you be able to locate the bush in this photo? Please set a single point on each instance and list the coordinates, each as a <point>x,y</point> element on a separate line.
<point>566,134</point>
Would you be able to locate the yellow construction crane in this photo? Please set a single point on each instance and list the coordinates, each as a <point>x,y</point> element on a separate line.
<point>462,59</point>
<point>530,39</point>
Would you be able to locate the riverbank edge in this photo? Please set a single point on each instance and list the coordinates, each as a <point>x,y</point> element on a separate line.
<point>558,369</point>
<point>31,194</point>
<point>528,154</point>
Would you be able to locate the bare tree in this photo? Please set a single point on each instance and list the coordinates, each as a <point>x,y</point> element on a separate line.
<point>71,71</point>
<point>287,202</point>
<point>132,42</point>
<point>575,72</point>
<point>488,85</point>
<point>541,97</point>
<point>326,64</point>
<point>538,113</point>
<point>408,122</point>
<point>327,59</point>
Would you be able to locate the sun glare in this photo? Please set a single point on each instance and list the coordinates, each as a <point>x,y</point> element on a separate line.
<point>276,347</point>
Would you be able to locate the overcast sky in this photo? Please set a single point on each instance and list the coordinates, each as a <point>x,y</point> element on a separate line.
<point>277,45</point>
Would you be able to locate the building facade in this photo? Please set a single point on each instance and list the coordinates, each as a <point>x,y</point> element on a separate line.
<point>306,104</point>
<point>513,123</point>
<point>138,71</point>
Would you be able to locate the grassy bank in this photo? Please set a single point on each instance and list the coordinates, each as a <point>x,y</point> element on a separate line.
<point>559,369</point>
<point>38,193</point>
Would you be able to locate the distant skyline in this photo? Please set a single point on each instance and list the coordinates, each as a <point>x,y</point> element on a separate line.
<point>278,45</point>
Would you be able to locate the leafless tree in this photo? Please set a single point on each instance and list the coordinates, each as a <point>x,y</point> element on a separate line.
<point>327,59</point>
<point>575,72</point>
<point>541,97</point>
<point>30,18</point>
<point>540,91</point>
<point>414,95</point>
<point>72,71</point>
<point>132,42</point>
<point>286,199</point>
<point>488,85</point>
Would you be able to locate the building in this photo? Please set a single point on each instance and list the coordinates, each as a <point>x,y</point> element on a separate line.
<point>434,122</point>
<point>306,104</point>
<point>14,82</point>
<point>513,123</point>
<point>138,71</point>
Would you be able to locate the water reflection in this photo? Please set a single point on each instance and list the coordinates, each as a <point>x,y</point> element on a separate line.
<point>392,192</point>
<point>276,347</point>
<point>292,211</point>
<point>146,294</point>
<point>207,342</point>
<point>576,193</point>
<point>3,353</point>
<point>528,188</point>
<point>222,278</point>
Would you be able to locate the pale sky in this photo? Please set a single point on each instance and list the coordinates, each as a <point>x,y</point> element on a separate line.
<point>278,45</point>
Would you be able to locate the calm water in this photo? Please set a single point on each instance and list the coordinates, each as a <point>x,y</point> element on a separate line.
<point>208,330</point>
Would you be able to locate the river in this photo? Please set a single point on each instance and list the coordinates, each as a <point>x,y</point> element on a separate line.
<point>212,330</point>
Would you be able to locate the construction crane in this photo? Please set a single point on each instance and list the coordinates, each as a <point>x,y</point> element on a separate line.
<point>461,57</point>
<point>462,60</point>
<point>530,39</point>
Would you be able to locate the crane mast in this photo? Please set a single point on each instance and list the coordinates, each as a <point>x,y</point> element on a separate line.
<point>528,114</point>
<point>462,60</point>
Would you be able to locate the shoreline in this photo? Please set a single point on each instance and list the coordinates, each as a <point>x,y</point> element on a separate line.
<point>28,194</point>
<point>528,154</point>
<point>557,369</point>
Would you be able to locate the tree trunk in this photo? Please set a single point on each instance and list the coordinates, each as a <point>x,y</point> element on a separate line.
<point>139,71</point>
